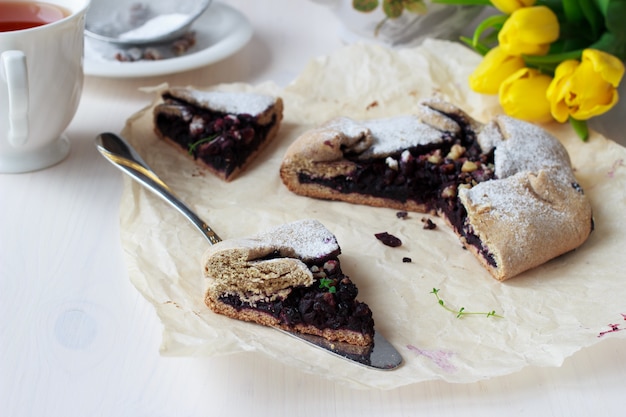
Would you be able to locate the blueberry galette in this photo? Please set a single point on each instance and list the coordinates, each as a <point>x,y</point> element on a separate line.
<point>222,131</point>
<point>289,277</point>
<point>506,187</point>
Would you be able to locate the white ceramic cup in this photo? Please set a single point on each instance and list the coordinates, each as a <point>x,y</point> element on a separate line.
<point>41,80</point>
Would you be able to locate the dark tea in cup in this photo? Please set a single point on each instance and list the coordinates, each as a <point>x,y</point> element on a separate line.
<point>28,14</point>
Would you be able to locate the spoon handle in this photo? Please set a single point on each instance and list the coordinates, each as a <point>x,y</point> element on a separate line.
<point>117,151</point>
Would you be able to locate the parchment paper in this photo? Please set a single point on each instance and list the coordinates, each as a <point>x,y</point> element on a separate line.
<point>548,313</point>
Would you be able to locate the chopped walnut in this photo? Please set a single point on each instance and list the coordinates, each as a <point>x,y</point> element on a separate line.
<point>469,166</point>
<point>392,163</point>
<point>455,152</point>
<point>449,191</point>
<point>330,266</point>
<point>435,158</point>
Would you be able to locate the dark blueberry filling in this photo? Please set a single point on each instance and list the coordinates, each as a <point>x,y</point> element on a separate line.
<point>430,175</point>
<point>329,303</point>
<point>223,141</point>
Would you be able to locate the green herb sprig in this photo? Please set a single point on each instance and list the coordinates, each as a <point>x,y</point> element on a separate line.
<point>327,283</point>
<point>461,311</point>
<point>191,148</point>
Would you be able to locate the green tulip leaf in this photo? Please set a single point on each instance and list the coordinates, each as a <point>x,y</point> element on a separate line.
<point>603,6</point>
<point>592,15</point>
<point>580,127</point>
<point>614,18</point>
<point>573,11</point>
<point>491,23</point>
<point>481,48</point>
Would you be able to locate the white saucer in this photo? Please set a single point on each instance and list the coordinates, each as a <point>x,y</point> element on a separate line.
<point>220,32</point>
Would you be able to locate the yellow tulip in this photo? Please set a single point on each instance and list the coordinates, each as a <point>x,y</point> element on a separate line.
<point>529,31</point>
<point>495,67</point>
<point>509,6</point>
<point>523,95</point>
<point>587,88</point>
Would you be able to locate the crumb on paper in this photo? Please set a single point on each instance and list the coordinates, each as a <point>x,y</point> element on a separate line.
<point>428,224</point>
<point>372,105</point>
<point>388,239</point>
<point>402,215</point>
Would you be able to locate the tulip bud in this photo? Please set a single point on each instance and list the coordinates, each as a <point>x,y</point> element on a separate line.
<point>509,6</point>
<point>529,31</point>
<point>523,95</point>
<point>495,67</point>
<point>587,88</point>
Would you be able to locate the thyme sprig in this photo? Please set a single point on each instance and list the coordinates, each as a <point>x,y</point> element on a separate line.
<point>327,283</point>
<point>461,311</point>
<point>191,148</point>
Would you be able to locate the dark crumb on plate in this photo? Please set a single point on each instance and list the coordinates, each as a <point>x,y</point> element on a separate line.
<point>182,45</point>
<point>152,54</point>
<point>388,239</point>
<point>428,224</point>
<point>407,260</point>
<point>178,47</point>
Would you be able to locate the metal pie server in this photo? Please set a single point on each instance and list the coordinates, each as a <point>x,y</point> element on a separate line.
<point>380,355</point>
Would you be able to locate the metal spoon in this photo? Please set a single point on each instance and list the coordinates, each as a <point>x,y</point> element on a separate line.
<point>132,23</point>
<point>121,154</point>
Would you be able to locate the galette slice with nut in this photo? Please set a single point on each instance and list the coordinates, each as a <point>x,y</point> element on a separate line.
<point>222,131</point>
<point>506,188</point>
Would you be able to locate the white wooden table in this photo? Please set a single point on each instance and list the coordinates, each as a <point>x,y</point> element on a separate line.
<point>77,339</point>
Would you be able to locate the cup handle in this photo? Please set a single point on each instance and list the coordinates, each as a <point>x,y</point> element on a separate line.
<point>16,77</point>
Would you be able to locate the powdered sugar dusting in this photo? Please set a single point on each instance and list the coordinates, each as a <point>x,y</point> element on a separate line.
<point>157,27</point>
<point>348,127</point>
<point>489,137</point>
<point>389,134</point>
<point>309,238</point>
<point>233,102</point>
<point>513,201</point>
<point>400,133</point>
<point>527,147</point>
